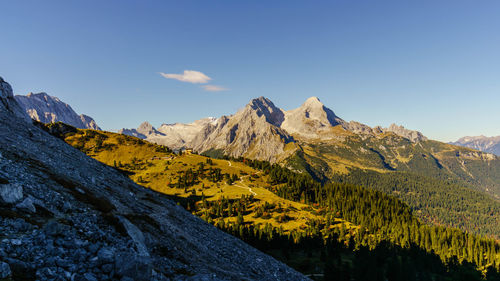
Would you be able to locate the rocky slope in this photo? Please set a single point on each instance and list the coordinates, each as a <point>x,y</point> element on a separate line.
<point>486,144</point>
<point>48,109</point>
<point>65,216</point>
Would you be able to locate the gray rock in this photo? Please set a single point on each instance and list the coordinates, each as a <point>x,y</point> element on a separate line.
<point>53,228</point>
<point>93,248</point>
<point>11,193</point>
<point>27,205</point>
<point>21,270</point>
<point>107,268</point>
<point>134,266</point>
<point>16,242</point>
<point>89,277</point>
<point>136,235</point>
<point>5,270</point>
<point>106,255</point>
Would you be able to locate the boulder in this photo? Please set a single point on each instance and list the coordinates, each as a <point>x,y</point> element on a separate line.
<point>134,266</point>
<point>27,205</point>
<point>11,193</point>
<point>5,270</point>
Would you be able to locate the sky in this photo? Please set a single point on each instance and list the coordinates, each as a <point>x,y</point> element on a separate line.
<point>432,66</point>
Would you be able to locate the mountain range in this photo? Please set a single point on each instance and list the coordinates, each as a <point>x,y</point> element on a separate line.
<point>48,109</point>
<point>486,144</point>
<point>262,131</point>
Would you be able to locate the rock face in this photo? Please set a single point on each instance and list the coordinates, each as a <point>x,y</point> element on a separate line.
<point>180,135</point>
<point>144,131</point>
<point>8,102</point>
<point>47,109</point>
<point>414,136</point>
<point>486,144</point>
<point>310,119</point>
<point>252,132</point>
<point>86,221</point>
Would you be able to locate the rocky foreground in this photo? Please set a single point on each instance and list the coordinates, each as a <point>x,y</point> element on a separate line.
<point>65,216</point>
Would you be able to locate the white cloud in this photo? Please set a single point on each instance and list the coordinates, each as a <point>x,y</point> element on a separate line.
<point>213,88</point>
<point>190,76</point>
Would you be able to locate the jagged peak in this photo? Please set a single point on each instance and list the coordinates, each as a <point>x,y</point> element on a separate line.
<point>43,96</point>
<point>265,107</point>
<point>37,94</point>
<point>414,136</point>
<point>5,89</point>
<point>146,125</point>
<point>261,101</point>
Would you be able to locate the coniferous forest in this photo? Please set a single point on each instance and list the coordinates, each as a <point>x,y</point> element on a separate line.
<point>390,244</point>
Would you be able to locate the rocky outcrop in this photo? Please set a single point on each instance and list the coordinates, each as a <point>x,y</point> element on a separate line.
<point>82,220</point>
<point>47,109</point>
<point>8,102</point>
<point>414,136</point>
<point>483,143</point>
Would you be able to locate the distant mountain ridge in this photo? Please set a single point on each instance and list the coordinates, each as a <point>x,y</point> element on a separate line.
<point>49,109</point>
<point>483,143</point>
<point>261,130</point>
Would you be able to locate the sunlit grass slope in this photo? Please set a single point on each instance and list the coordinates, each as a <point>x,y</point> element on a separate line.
<point>158,168</point>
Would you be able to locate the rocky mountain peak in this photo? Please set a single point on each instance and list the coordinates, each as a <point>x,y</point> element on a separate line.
<point>47,109</point>
<point>313,102</point>
<point>42,95</point>
<point>147,129</point>
<point>483,143</point>
<point>146,126</point>
<point>310,119</point>
<point>264,107</point>
<point>399,130</point>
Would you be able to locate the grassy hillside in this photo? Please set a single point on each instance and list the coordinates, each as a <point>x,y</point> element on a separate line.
<point>195,176</point>
<point>444,184</point>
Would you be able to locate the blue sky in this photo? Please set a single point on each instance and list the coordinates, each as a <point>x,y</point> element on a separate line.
<point>428,65</point>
